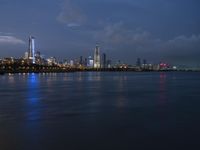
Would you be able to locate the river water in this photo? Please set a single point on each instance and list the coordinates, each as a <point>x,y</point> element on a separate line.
<point>100,110</point>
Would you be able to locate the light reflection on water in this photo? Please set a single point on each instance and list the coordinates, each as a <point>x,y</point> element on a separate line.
<point>94,76</point>
<point>121,100</point>
<point>11,78</point>
<point>33,97</point>
<point>162,89</point>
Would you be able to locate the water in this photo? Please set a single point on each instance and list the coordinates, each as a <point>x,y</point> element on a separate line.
<point>100,111</point>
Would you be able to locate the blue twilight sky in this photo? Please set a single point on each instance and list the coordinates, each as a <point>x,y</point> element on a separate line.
<point>157,30</point>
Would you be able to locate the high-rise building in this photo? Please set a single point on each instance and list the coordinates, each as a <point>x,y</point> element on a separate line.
<point>138,63</point>
<point>97,62</point>
<point>144,65</point>
<point>81,60</point>
<point>104,61</point>
<point>26,55</point>
<point>85,62</point>
<point>90,62</point>
<point>71,63</point>
<point>32,49</point>
<point>109,63</point>
<point>37,54</point>
<point>38,59</point>
<point>144,61</point>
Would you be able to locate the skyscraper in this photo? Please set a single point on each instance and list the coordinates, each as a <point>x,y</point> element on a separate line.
<point>32,49</point>
<point>26,55</point>
<point>97,63</point>
<point>90,62</point>
<point>104,61</point>
<point>81,60</point>
<point>138,63</point>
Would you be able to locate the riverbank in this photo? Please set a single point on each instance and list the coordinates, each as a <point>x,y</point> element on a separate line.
<point>70,70</point>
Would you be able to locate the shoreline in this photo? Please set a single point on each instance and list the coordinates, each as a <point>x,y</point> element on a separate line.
<point>89,70</point>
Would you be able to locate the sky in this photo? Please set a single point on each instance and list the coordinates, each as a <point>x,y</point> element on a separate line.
<point>155,30</point>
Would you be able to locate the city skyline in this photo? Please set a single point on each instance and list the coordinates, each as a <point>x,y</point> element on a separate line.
<point>34,61</point>
<point>71,28</point>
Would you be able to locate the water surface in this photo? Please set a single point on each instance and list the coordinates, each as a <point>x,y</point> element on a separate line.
<point>93,110</point>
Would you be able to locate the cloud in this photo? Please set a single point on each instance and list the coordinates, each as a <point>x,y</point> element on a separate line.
<point>140,43</point>
<point>182,48</point>
<point>118,34</point>
<point>157,38</point>
<point>10,40</point>
<point>6,33</point>
<point>73,25</point>
<point>71,15</point>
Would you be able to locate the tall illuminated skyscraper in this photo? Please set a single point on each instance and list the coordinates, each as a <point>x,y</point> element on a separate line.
<point>97,63</point>
<point>32,49</point>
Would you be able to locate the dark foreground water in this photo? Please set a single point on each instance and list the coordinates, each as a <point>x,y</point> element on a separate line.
<point>92,111</point>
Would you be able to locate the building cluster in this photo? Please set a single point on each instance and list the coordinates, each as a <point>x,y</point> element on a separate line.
<point>97,61</point>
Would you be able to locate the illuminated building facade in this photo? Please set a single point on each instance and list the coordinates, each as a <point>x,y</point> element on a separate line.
<point>90,62</point>
<point>32,49</point>
<point>26,55</point>
<point>52,61</point>
<point>97,62</point>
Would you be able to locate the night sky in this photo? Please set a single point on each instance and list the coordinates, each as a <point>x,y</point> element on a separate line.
<point>156,30</point>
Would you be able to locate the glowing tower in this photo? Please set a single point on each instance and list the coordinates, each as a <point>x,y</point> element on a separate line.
<point>32,49</point>
<point>97,63</point>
